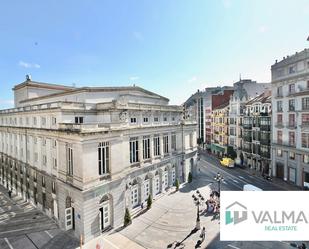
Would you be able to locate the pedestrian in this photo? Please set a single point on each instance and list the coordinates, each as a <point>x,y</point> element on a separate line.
<point>202,236</point>
<point>142,205</point>
<point>10,193</point>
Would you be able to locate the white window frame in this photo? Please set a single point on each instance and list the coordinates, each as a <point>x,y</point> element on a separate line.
<point>103,158</point>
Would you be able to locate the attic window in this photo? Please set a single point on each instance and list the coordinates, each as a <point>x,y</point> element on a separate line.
<point>79,120</point>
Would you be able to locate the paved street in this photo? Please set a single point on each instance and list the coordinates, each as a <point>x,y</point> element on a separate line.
<point>24,227</point>
<point>173,216</point>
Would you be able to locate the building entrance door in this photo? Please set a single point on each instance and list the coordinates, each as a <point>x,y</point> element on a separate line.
<point>280,171</point>
<point>68,218</point>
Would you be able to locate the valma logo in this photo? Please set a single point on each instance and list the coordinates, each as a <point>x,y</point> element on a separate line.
<point>235,213</point>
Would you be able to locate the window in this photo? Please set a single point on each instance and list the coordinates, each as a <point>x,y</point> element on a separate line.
<point>146,119</point>
<point>305,119</point>
<point>36,157</point>
<point>79,120</point>
<point>279,118</point>
<point>291,88</point>
<point>44,160</point>
<point>44,141</point>
<point>292,105</point>
<point>55,163</point>
<point>279,137</point>
<point>305,140</point>
<point>308,81</point>
<point>146,147</point>
<point>54,121</point>
<point>292,120</point>
<point>292,155</point>
<point>165,119</point>
<point>43,181</point>
<point>53,187</point>
<point>292,138</point>
<point>305,103</point>
<point>279,91</point>
<point>156,119</point>
<point>69,157</point>
<point>291,69</point>
<point>306,159</point>
<point>35,176</point>
<point>133,150</point>
<point>103,158</point>
<point>279,152</point>
<point>133,120</point>
<point>43,121</point>
<point>279,106</point>
<point>165,144</point>
<point>156,144</point>
<point>191,140</point>
<point>54,143</point>
<point>173,142</point>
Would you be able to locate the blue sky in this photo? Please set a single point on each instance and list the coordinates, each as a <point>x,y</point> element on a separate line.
<point>169,47</point>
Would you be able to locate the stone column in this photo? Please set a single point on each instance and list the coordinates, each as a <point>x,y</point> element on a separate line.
<point>140,191</point>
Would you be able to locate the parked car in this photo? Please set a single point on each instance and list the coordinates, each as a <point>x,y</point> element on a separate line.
<point>227,162</point>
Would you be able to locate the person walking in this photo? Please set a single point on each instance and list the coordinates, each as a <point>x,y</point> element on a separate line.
<point>10,193</point>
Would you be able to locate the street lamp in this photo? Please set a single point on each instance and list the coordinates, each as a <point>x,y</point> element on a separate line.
<point>198,198</point>
<point>219,178</point>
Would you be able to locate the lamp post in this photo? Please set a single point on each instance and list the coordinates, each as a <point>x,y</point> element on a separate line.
<point>219,178</point>
<point>198,198</point>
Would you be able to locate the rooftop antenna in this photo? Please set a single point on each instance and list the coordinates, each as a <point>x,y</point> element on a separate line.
<point>28,77</point>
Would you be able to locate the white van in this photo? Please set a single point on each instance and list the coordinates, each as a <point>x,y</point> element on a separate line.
<point>249,187</point>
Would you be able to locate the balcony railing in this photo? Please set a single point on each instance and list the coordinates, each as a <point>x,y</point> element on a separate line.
<point>265,127</point>
<point>247,138</point>
<point>279,125</point>
<point>291,125</point>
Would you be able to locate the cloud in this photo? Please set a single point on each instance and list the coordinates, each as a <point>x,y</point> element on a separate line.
<point>138,36</point>
<point>133,78</point>
<point>28,65</point>
<point>193,79</point>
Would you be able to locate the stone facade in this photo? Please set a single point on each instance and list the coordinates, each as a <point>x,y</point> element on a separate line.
<point>83,155</point>
<point>290,101</point>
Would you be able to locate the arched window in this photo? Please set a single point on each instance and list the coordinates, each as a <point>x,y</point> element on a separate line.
<point>103,158</point>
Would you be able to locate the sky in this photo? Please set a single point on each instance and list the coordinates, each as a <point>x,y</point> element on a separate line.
<point>171,47</point>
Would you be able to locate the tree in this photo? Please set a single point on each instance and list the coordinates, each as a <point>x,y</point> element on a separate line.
<point>190,177</point>
<point>149,202</point>
<point>127,218</point>
<point>177,185</point>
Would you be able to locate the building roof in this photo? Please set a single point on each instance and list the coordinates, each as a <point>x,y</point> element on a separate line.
<point>70,90</point>
<point>264,97</point>
<point>222,106</point>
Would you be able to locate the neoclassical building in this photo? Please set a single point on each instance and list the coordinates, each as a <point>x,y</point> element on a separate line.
<point>290,125</point>
<point>85,154</point>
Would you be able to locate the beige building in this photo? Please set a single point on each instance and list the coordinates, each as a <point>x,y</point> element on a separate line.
<point>83,155</point>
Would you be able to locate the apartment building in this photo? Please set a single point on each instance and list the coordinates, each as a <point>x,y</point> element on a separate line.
<point>220,128</point>
<point>256,134</point>
<point>85,154</point>
<point>290,125</point>
<point>201,105</point>
<point>244,90</point>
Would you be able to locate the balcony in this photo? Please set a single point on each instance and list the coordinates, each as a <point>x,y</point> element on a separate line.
<point>247,138</point>
<point>279,125</point>
<point>247,126</point>
<point>265,154</point>
<point>291,125</point>
<point>265,141</point>
<point>265,127</point>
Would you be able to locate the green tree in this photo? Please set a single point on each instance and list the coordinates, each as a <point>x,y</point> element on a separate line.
<point>177,185</point>
<point>190,177</point>
<point>127,218</point>
<point>149,202</point>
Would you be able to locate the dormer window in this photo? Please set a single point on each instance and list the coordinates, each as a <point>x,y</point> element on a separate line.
<point>165,119</point>
<point>146,119</point>
<point>133,120</point>
<point>156,119</point>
